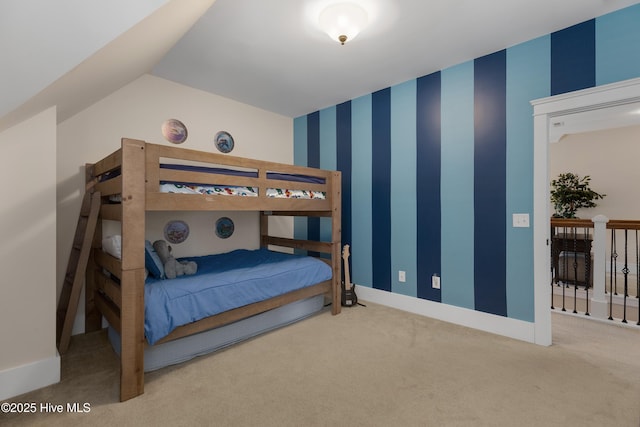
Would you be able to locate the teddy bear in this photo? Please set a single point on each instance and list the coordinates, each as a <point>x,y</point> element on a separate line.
<point>173,267</point>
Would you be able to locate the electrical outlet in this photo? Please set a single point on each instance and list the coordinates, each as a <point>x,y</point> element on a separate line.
<point>435,281</point>
<point>402,276</point>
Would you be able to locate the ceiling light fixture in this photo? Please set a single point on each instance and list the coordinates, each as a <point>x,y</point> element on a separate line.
<point>343,21</point>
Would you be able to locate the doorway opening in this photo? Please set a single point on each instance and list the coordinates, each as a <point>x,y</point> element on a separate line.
<point>603,107</point>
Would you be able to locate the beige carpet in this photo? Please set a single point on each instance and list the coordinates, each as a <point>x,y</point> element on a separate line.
<point>372,366</point>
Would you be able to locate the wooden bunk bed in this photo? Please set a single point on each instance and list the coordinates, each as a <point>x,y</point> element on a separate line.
<point>116,287</point>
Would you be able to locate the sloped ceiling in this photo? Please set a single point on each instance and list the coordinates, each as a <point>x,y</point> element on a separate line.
<point>74,76</point>
<point>269,54</point>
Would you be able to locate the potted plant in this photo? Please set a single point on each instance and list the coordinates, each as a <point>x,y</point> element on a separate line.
<point>570,192</point>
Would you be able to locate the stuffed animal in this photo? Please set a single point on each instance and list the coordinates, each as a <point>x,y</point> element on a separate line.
<point>173,267</point>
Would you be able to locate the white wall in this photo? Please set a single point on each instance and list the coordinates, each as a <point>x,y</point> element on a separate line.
<point>28,359</point>
<point>138,111</point>
<point>610,158</point>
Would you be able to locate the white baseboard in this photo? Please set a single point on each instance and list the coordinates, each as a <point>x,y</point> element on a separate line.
<point>492,323</point>
<point>25,378</point>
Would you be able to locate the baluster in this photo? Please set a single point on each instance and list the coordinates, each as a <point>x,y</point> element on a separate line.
<point>587,270</point>
<point>612,275</point>
<point>553,277</point>
<point>554,274</point>
<point>565,265</point>
<point>625,271</point>
<point>575,270</point>
<point>615,264</point>
<point>638,274</point>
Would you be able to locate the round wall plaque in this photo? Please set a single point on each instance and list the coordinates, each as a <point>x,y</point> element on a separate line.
<point>224,142</point>
<point>174,131</point>
<point>176,231</point>
<point>224,227</point>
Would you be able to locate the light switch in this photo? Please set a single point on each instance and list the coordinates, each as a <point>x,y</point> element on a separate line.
<point>521,220</point>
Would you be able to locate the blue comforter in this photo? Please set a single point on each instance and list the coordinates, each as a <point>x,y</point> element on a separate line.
<point>224,282</point>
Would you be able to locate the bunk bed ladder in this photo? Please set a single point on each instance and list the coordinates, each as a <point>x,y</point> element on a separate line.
<point>76,267</point>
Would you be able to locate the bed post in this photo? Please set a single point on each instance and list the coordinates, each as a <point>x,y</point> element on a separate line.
<point>336,240</point>
<point>264,229</point>
<point>132,280</point>
<point>92,317</point>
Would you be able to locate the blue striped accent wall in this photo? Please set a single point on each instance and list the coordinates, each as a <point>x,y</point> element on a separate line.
<point>300,146</point>
<point>428,147</point>
<point>528,77</point>
<point>313,161</point>
<point>362,191</point>
<point>328,144</point>
<point>618,46</point>
<point>456,186</point>
<point>403,188</point>
<point>489,167</point>
<point>381,179</point>
<point>573,58</point>
<point>434,168</point>
<point>344,164</point>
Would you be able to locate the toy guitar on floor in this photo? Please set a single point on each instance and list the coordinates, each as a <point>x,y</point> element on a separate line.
<point>349,297</point>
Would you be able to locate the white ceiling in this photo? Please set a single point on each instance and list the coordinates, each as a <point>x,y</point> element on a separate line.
<point>271,54</point>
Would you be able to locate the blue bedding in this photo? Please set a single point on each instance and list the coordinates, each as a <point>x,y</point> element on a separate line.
<point>224,282</point>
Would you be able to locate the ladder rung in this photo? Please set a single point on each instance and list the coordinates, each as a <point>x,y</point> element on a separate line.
<point>78,258</point>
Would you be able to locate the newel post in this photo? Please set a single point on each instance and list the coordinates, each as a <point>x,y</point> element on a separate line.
<point>599,306</point>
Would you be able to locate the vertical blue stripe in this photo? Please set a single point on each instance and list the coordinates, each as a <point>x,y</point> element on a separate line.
<point>328,138</point>
<point>313,140</point>
<point>456,186</point>
<point>381,179</point>
<point>361,191</point>
<point>528,77</point>
<point>403,187</point>
<point>313,160</point>
<point>490,200</point>
<point>327,157</point>
<point>343,155</point>
<point>428,129</point>
<point>300,141</point>
<point>573,58</point>
<point>300,159</point>
<point>618,46</point>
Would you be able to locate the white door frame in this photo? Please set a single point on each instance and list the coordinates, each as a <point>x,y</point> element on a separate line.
<point>601,107</point>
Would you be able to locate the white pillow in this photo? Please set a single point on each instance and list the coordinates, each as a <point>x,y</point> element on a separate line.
<point>113,245</point>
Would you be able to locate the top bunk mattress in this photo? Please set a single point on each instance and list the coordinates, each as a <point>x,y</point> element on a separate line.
<point>224,282</point>
<point>230,190</point>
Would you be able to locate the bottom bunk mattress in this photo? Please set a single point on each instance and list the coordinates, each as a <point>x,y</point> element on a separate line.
<point>183,349</point>
<point>224,282</point>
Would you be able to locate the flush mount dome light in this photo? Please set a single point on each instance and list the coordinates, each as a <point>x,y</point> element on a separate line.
<point>343,21</point>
